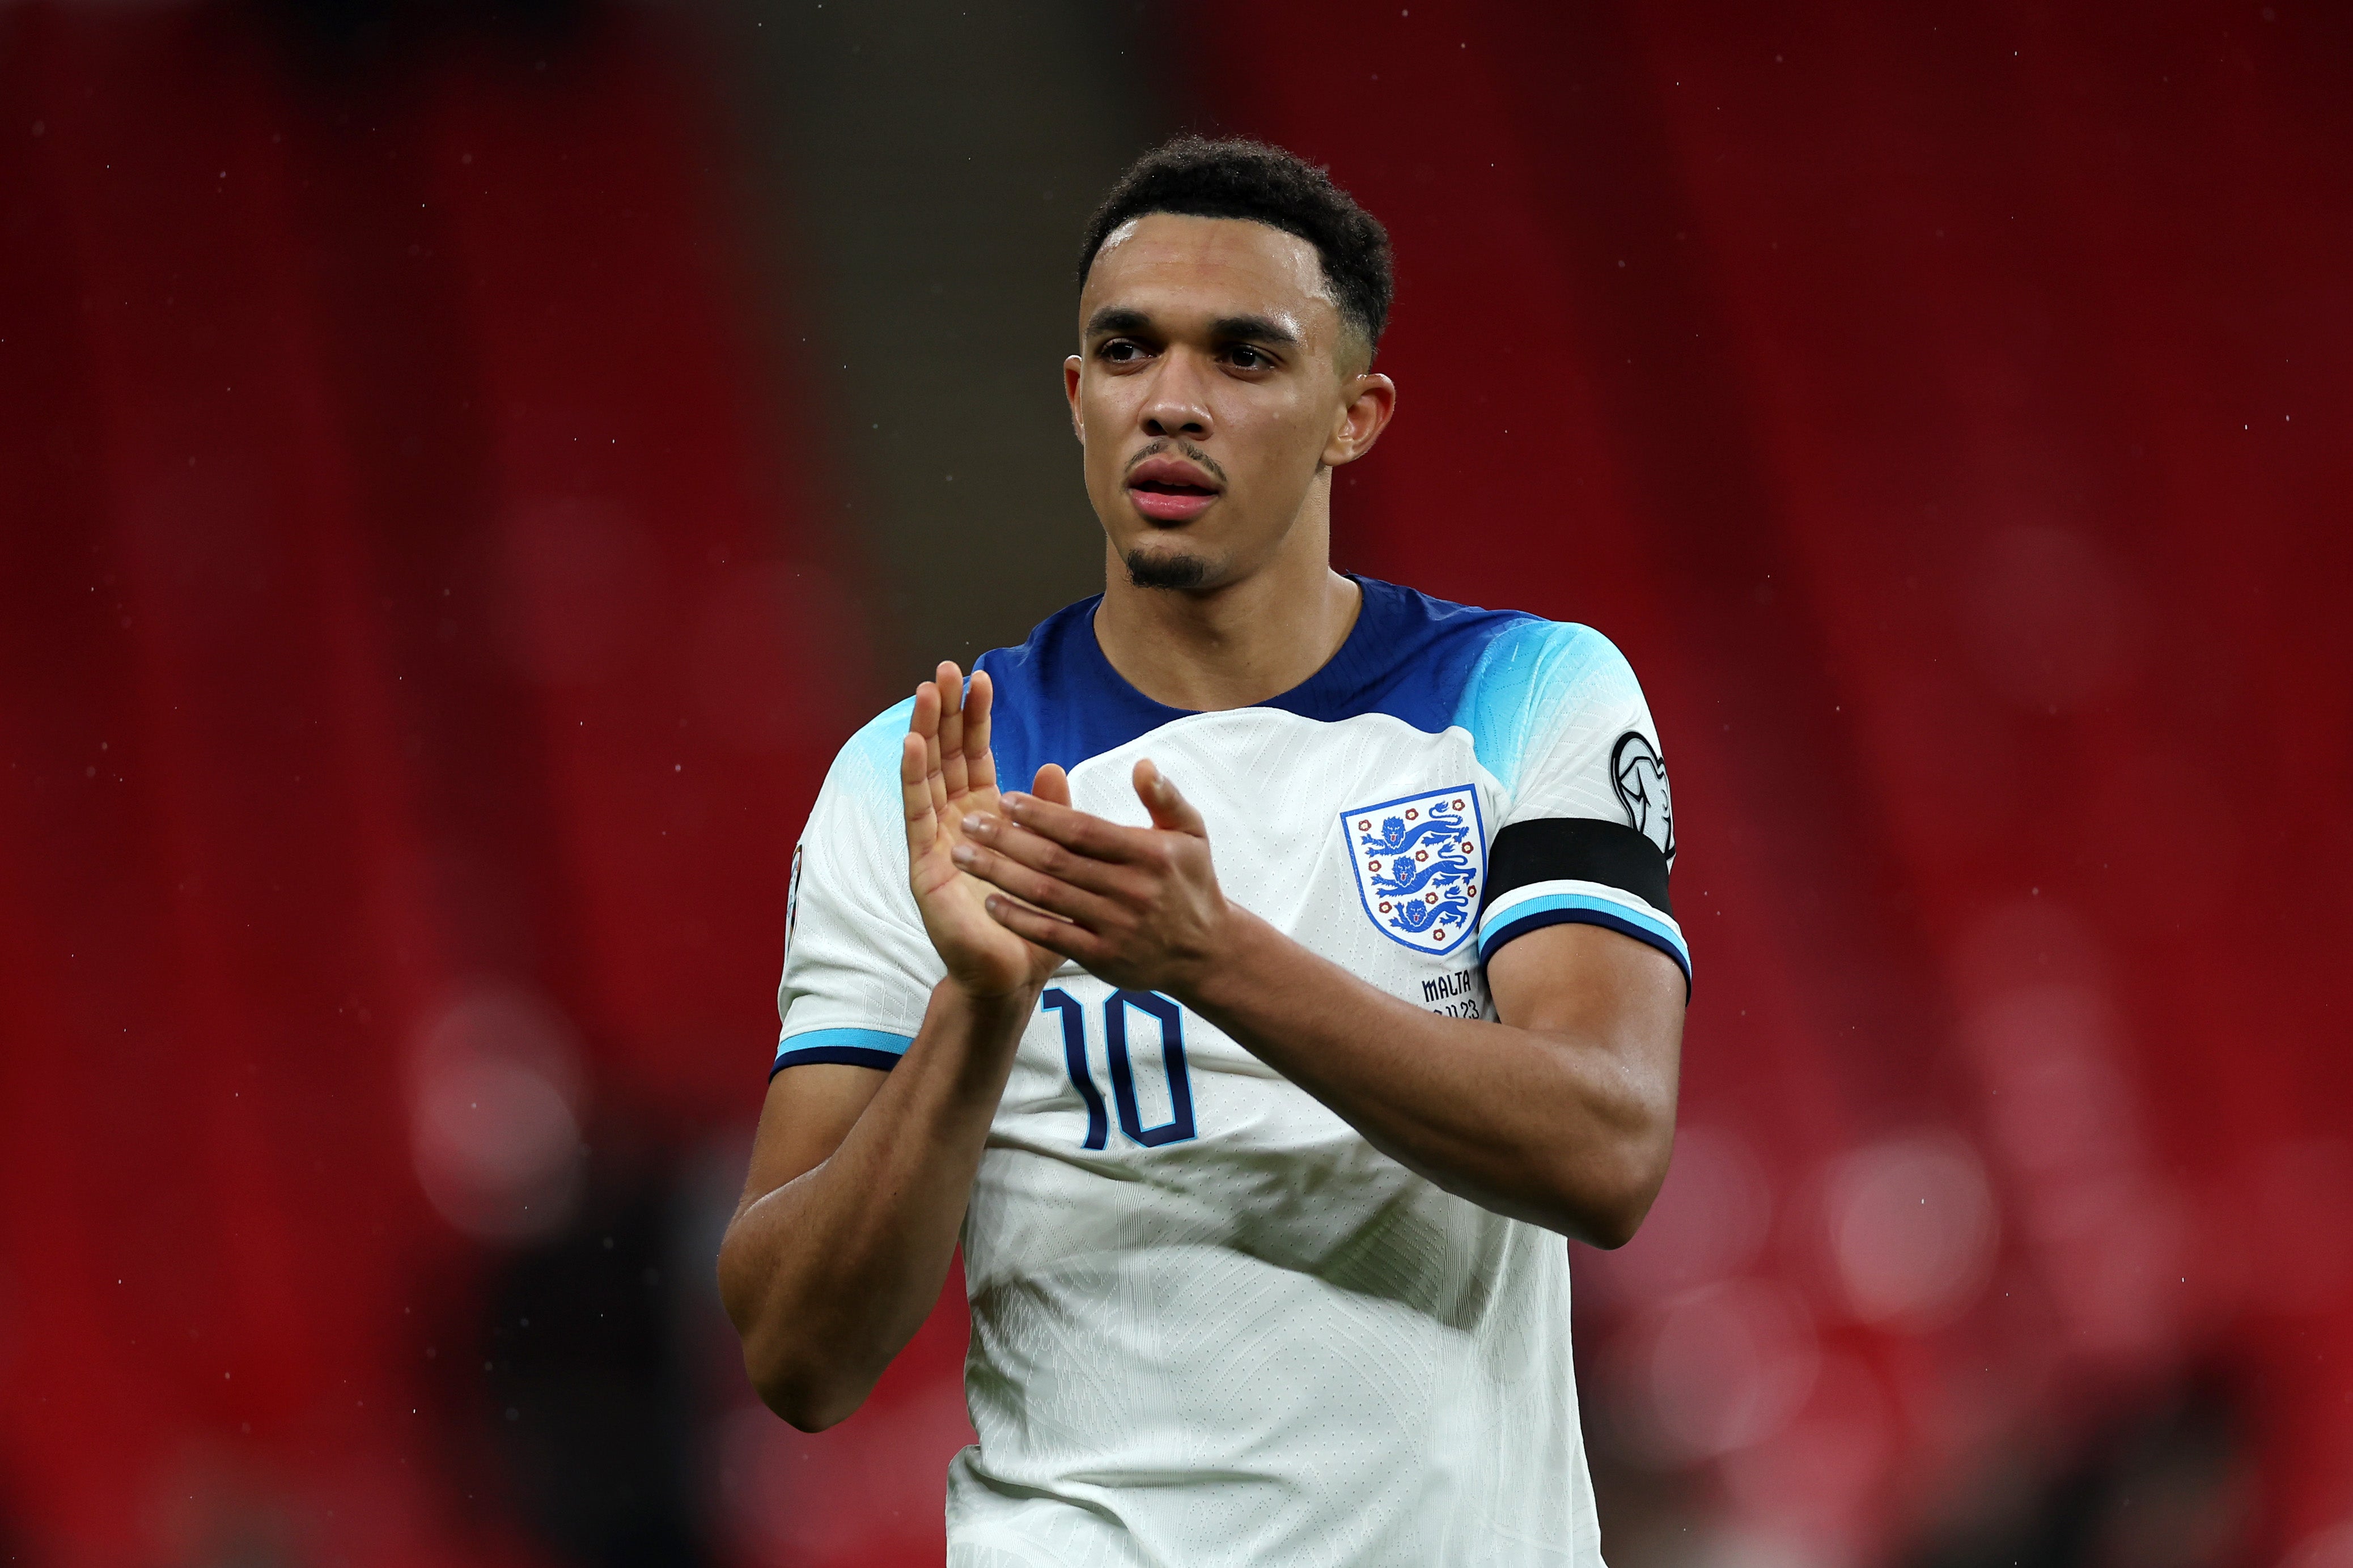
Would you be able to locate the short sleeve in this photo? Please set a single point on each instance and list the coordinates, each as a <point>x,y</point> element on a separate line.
<point>859,969</point>
<point>1587,834</point>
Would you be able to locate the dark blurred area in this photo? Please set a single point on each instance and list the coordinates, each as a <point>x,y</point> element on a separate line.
<point>464,469</point>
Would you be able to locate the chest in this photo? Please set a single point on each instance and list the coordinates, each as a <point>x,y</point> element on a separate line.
<point>1365,842</point>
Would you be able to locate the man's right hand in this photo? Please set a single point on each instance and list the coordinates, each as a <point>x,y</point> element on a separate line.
<point>861,1177</point>
<point>945,774</point>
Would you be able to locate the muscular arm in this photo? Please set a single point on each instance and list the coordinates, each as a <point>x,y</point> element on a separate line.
<point>1562,1113</point>
<point>859,1179</point>
<point>858,1187</point>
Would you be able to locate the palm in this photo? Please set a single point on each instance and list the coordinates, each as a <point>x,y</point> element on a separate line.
<point>946,774</point>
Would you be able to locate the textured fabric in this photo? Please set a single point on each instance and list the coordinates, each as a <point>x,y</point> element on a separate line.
<point>1211,1322</point>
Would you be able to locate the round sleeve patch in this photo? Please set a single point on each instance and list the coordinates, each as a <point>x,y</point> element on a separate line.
<point>793,900</point>
<point>1639,777</point>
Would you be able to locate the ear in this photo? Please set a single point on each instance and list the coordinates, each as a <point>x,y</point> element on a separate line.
<point>1371,400</point>
<point>1071,369</point>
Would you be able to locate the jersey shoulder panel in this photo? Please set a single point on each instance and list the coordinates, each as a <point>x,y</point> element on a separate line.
<point>1409,655</point>
<point>1535,680</point>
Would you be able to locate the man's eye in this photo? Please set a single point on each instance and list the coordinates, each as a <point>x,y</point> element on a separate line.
<point>1119,351</point>
<point>1248,358</point>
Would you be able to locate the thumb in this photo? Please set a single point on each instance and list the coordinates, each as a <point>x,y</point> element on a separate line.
<point>1052,785</point>
<point>1170,812</point>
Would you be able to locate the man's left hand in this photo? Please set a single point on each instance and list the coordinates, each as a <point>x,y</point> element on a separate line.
<point>1137,906</point>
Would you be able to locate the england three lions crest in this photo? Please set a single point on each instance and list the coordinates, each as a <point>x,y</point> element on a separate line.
<point>1421,862</point>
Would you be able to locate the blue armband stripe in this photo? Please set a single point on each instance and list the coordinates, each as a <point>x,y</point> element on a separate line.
<point>854,1048</point>
<point>1580,908</point>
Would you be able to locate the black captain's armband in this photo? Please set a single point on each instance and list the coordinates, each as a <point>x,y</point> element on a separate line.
<point>1576,850</point>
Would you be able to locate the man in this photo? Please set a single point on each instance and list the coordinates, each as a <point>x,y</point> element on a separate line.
<point>1259,1049</point>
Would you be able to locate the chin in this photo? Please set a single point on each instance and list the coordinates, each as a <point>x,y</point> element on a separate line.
<point>1176,570</point>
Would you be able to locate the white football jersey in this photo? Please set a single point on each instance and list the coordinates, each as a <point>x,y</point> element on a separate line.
<point>1211,1322</point>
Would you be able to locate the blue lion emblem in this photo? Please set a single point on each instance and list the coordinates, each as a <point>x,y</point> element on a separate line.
<point>1417,865</point>
<point>1416,916</point>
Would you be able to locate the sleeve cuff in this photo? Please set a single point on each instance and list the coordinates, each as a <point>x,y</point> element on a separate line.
<point>1563,903</point>
<point>852,1048</point>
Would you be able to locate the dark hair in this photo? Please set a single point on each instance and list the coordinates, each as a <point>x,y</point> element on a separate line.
<point>1230,177</point>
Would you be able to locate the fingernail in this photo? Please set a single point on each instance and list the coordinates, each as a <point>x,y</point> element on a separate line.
<point>973,824</point>
<point>964,854</point>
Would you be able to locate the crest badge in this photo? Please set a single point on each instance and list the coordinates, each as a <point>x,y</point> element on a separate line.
<point>1421,862</point>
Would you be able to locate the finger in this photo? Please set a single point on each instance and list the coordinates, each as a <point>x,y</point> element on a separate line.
<point>1074,943</point>
<point>915,793</point>
<point>1052,785</point>
<point>925,722</point>
<point>979,702</point>
<point>1034,888</point>
<point>952,773</point>
<point>1044,856</point>
<point>1090,835</point>
<point>1170,812</point>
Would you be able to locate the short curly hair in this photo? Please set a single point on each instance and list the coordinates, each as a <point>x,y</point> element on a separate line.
<point>1198,176</point>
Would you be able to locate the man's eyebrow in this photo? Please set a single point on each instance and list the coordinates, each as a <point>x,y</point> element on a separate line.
<point>1251,329</point>
<point>1118,319</point>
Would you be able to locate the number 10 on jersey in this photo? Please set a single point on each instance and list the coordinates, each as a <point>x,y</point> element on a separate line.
<point>1117,1010</point>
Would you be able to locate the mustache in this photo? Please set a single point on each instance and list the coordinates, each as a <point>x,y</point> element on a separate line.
<point>1178,443</point>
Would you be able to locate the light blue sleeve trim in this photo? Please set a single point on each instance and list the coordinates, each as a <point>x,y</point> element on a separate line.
<point>1556,909</point>
<point>1522,680</point>
<point>859,1048</point>
<point>876,744</point>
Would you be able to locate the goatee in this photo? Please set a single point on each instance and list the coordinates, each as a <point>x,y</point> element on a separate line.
<point>1176,571</point>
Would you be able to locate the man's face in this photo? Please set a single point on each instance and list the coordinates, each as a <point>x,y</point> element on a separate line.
<point>1214,381</point>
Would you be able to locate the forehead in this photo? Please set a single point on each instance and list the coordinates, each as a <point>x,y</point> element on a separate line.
<point>1173,266</point>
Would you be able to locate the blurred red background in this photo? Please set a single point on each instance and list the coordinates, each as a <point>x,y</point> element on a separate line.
<point>427,610</point>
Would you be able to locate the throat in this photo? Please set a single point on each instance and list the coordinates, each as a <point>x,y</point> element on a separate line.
<point>1229,647</point>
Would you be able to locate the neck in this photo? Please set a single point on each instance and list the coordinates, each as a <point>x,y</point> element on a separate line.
<point>1237,643</point>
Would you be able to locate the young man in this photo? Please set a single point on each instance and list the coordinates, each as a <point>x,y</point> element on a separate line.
<point>1261,1051</point>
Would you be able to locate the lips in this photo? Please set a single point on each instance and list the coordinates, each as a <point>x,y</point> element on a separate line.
<point>1168,490</point>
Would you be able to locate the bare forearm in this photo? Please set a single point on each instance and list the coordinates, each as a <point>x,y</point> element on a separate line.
<point>829,1275</point>
<point>1564,1117</point>
<point>1560,1125</point>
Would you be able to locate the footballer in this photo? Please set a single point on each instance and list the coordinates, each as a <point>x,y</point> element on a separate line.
<point>1258,972</point>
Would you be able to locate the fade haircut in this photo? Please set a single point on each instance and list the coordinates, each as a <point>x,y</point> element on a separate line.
<point>1196,177</point>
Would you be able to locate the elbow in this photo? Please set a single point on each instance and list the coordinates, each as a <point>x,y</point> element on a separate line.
<point>793,1377</point>
<point>801,1380</point>
<point>1603,1202</point>
<point>1611,1224</point>
<point>806,1397</point>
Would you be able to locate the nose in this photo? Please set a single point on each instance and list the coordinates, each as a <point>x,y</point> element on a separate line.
<point>1178,403</point>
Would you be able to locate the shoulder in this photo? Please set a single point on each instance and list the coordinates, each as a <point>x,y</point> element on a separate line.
<point>1409,655</point>
<point>874,749</point>
<point>1505,676</point>
<point>1029,679</point>
<point>1535,669</point>
<point>1536,680</point>
<point>861,788</point>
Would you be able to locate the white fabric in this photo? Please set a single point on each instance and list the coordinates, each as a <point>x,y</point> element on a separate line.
<point>1266,1343</point>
